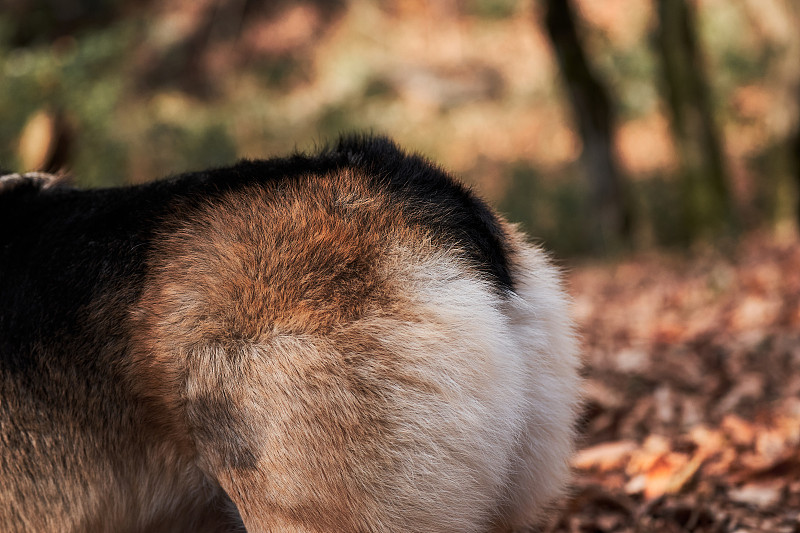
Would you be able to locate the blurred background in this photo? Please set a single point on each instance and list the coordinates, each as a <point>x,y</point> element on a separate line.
<point>652,144</point>
<point>600,125</point>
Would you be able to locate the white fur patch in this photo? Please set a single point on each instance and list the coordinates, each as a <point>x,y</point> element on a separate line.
<point>475,394</point>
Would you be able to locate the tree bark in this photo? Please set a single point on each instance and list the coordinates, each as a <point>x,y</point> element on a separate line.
<point>708,207</point>
<point>794,154</point>
<point>595,119</point>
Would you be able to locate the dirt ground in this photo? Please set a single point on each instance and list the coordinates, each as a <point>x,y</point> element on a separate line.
<point>692,415</point>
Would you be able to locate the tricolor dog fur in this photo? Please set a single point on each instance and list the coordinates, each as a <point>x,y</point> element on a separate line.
<point>349,341</point>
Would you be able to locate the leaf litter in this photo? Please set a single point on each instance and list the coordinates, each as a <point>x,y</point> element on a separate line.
<point>692,402</point>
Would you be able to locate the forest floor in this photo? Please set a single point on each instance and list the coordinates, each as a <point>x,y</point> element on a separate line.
<point>692,415</point>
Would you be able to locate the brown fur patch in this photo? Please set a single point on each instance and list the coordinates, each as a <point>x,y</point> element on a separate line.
<point>327,352</point>
<point>288,330</point>
<point>259,262</point>
<point>251,277</point>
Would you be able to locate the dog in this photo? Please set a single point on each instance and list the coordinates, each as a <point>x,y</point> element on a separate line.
<point>344,341</point>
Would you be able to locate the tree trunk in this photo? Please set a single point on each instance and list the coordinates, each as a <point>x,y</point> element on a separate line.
<point>794,154</point>
<point>595,120</point>
<point>708,207</point>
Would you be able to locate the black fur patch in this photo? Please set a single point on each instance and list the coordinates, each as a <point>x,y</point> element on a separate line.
<point>424,192</point>
<point>434,200</point>
<point>61,247</point>
<point>74,272</point>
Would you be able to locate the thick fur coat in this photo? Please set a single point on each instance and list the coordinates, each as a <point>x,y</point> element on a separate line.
<point>348,341</point>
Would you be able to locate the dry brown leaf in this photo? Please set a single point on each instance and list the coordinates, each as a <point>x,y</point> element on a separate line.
<point>717,410</point>
<point>669,475</point>
<point>598,392</point>
<point>789,426</point>
<point>772,444</point>
<point>762,495</point>
<point>646,457</point>
<point>748,386</point>
<point>721,464</point>
<point>738,430</point>
<point>681,477</point>
<point>603,457</point>
<point>708,441</point>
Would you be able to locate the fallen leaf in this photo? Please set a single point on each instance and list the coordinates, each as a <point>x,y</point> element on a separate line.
<point>748,386</point>
<point>597,392</point>
<point>603,457</point>
<point>738,430</point>
<point>708,441</point>
<point>653,449</point>
<point>759,495</point>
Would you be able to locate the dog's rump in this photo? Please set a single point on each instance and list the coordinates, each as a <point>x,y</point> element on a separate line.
<point>344,342</point>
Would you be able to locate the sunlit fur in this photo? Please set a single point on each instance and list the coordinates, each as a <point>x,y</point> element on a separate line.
<point>314,354</point>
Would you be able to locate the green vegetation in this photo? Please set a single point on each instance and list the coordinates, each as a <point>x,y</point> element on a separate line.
<point>151,90</point>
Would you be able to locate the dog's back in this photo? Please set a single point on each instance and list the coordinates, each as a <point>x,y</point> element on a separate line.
<point>344,342</point>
